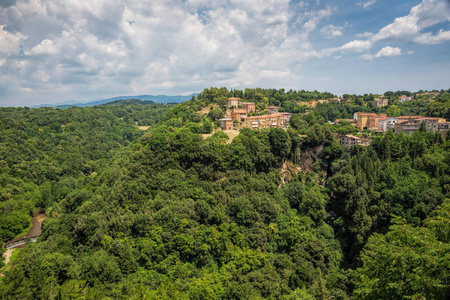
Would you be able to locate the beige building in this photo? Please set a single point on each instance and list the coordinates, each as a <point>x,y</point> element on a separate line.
<point>404,98</point>
<point>361,119</point>
<point>431,124</point>
<point>368,120</point>
<point>380,102</point>
<point>248,106</point>
<point>348,141</point>
<point>265,121</point>
<point>226,124</point>
<point>373,121</point>
<point>233,102</point>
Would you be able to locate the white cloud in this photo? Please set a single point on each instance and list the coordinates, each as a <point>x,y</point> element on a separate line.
<point>367,56</point>
<point>309,20</point>
<point>151,46</point>
<point>386,51</point>
<point>407,28</point>
<point>403,29</point>
<point>356,46</point>
<point>331,31</point>
<point>45,47</point>
<point>389,51</point>
<point>428,38</point>
<point>10,42</point>
<point>367,4</point>
<point>364,35</point>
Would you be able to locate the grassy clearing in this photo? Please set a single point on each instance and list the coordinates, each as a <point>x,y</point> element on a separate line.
<point>231,134</point>
<point>12,257</point>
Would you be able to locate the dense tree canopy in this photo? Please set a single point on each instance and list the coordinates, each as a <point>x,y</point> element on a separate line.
<point>169,214</point>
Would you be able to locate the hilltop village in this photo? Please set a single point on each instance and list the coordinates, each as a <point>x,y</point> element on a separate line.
<point>240,114</point>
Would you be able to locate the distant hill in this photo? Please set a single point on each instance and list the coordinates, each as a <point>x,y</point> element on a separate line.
<point>155,99</point>
<point>128,102</point>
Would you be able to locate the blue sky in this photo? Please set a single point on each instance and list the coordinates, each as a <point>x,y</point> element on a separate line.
<point>53,51</point>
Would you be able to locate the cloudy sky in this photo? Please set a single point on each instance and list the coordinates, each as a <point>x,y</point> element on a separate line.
<point>53,51</point>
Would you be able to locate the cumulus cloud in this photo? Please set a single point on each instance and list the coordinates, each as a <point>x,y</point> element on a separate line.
<point>10,42</point>
<point>428,38</point>
<point>153,46</point>
<point>389,51</point>
<point>45,47</point>
<point>404,29</point>
<point>386,51</point>
<point>367,4</point>
<point>149,46</point>
<point>364,35</point>
<point>356,46</point>
<point>331,31</point>
<point>421,16</point>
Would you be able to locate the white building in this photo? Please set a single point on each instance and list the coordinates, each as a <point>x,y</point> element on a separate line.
<point>387,123</point>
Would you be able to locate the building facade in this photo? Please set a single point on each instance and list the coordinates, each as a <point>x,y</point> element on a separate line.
<point>406,127</point>
<point>265,121</point>
<point>431,124</point>
<point>348,141</point>
<point>404,98</point>
<point>387,123</point>
<point>373,121</point>
<point>380,102</point>
<point>248,106</point>
<point>287,116</point>
<point>233,102</point>
<point>226,123</point>
<point>272,109</point>
<point>239,114</point>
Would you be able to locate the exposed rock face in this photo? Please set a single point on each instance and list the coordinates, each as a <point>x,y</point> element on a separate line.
<point>289,170</point>
<point>308,157</point>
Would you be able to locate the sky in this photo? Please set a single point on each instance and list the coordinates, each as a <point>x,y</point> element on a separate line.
<point>52,51</point>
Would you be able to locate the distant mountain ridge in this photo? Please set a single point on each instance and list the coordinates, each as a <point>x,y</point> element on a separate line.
<point>156,99</point>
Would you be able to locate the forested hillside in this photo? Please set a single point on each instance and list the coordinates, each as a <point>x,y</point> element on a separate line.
<point>166,214</point>
<point>45,153</point>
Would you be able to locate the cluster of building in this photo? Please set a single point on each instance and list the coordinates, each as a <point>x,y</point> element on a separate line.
<point>405,124</point>
<point>240,111</point>
<point>313,103</point>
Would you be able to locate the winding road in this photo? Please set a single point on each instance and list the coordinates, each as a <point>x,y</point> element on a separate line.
<point>31,235</point>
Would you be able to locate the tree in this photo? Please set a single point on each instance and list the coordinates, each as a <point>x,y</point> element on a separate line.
<point>393,111</point>
<point>207,126</point>
<point>280,142</point>
<point>313,205</point>
<point>407,261</point>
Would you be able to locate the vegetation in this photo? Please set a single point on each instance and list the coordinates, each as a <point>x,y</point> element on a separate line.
<point>275,214</point>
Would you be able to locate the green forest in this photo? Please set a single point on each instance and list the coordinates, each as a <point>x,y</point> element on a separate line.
<point>276,214</point>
